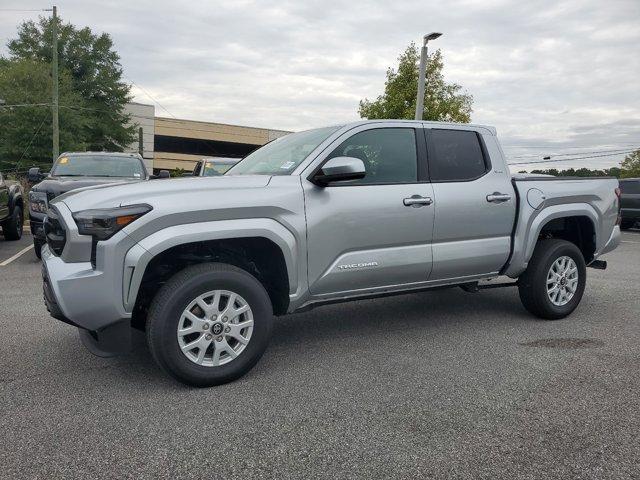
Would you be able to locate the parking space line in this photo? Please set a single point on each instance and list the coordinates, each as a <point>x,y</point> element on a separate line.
<point>17,255</point>
<point>628,241</point>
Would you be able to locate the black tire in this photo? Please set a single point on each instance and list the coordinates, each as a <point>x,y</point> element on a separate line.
<point>627,224</point>
<point>12,227</point>
<point>532,284</point>
<point>37,248</point>
<point>169,303</point>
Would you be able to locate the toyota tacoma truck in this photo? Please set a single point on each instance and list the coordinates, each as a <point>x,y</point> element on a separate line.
<point>74,170</point>
<point>348,212</point>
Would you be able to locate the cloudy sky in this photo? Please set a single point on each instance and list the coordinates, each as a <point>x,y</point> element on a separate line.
<point>555,77</point>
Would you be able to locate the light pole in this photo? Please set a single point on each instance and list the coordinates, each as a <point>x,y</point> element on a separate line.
<point>422,74</point>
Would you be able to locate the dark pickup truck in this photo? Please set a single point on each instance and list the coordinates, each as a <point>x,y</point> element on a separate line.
<point>630,202</point>
<point>76,170</point>
<point>11,208</point>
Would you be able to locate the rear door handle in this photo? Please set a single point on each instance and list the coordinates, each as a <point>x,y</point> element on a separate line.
<point>417,201</point>
<point>497,197</point>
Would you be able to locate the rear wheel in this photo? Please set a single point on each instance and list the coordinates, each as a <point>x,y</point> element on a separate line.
<point>12,227</point>
<point>209,324</point>
<point>553,284</point>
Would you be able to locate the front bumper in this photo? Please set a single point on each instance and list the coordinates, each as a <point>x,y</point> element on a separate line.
<point>77,294</point>
<point>36,225</point>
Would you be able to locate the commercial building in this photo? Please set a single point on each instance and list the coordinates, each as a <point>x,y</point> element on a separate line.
<point>171,143</point>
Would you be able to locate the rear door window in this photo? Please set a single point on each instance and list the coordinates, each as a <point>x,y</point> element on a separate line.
<point>455,155</point>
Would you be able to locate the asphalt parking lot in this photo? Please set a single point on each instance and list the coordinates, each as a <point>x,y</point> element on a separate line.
<point>445,384</point>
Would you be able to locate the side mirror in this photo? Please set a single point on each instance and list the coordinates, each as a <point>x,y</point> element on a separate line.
<point>34,175</point>
<point>164,174</point>
<point>340,169</point>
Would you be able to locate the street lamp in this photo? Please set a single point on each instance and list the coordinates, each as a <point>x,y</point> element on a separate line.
<point>422,74</point>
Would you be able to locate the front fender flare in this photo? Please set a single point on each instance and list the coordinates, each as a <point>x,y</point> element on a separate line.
<point>139,256</point>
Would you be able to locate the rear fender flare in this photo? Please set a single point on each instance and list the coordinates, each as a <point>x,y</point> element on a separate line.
<point>529,228</point>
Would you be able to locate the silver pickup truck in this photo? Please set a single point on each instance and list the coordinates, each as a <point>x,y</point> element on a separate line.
<point>340,213</point>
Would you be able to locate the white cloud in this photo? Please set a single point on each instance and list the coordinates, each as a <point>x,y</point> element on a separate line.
<point>552,74</point>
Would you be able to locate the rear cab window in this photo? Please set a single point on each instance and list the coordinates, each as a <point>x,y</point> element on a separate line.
<point>455,155</point>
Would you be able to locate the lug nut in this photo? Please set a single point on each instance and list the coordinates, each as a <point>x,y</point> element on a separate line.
<point>219,339</point>
<point>213,317</point>
<point>205,326</point>
<point>227,329</point>
<point>224,319</point>
<point>208,336</point>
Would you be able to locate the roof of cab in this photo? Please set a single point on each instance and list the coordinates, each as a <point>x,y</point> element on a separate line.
<point>490,129</point>
<point>110,154</point>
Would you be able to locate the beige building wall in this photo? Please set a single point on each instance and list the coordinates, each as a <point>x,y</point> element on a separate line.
<point>191,129</point>
<point>143,115</point>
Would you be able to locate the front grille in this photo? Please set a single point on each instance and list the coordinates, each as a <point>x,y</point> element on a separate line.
<point>54,232</point>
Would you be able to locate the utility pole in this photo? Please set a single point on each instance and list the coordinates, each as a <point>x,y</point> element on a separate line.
<point>422,74</point>
<point>54,75</point>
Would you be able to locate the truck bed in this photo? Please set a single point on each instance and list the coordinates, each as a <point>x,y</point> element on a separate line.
<point>591,201</point>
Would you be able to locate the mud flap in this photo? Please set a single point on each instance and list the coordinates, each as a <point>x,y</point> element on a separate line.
<point>110,341</point>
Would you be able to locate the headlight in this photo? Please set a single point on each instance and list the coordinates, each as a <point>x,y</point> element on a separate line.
<point>103,223</point>
<point>38,202</point>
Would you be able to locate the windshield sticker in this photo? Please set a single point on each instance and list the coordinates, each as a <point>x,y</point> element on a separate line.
<point>287,165</point>
<point>64,160</point>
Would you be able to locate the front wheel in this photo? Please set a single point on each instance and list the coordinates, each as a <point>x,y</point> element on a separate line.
<point>209,324</point>
<point>553,284</point>
<point>12,228</point>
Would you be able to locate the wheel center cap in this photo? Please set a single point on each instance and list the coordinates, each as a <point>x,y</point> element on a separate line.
<point>563,281</point>
<point>217,328</point>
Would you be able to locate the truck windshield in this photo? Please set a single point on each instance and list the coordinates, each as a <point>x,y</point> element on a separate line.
<point>98,166</point>
<point>282,156</point>
<point>213,168</point>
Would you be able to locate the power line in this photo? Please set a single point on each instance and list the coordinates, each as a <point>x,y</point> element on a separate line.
<point>30,142</point>
<point>571,159</point>
<point>561,147</point>
<point>150,96</point>
<point>25,10</point>
<point>572,154</point>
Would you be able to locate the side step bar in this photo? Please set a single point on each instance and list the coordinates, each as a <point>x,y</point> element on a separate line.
<point>598,264</point>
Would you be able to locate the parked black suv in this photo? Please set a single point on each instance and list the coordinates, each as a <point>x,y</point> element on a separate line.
<point>11,208</point>
<point>76,170</point>
<point>630,202</point>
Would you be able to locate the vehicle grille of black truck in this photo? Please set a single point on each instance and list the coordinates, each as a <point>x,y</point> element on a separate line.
<point>54,232</point>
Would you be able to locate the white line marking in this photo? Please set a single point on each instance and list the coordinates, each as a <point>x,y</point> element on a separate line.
<point>628,241</point>
<point>11,259</point>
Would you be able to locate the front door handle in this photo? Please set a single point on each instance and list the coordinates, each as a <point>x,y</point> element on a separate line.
<point>497,197</point>
<point>417,201</point>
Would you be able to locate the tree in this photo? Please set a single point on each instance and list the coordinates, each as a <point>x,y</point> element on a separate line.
<point>631,165</point>
<point>25,136</point>
<point>95,72</point>
<point>442,101</point>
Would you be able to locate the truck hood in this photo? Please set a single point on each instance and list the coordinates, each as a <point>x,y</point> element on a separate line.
<point>161,191</point>
<point>55,186</point>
